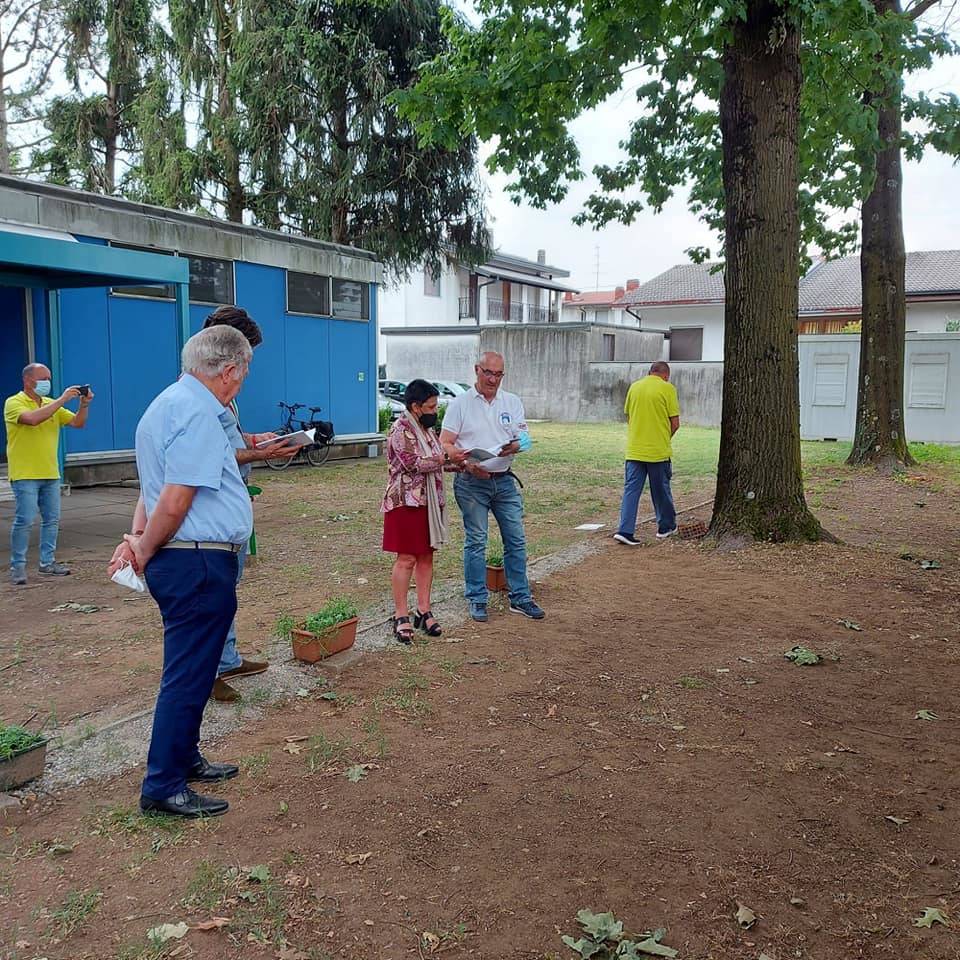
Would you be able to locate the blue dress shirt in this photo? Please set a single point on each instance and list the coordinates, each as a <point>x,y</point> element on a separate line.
<point>181,440</point>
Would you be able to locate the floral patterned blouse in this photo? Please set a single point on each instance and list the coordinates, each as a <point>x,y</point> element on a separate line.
<point>408,470</point>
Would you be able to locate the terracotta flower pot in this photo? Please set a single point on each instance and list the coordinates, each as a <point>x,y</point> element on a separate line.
<point>311,647</point>
<point>496,579</point>
<point>23,767</point>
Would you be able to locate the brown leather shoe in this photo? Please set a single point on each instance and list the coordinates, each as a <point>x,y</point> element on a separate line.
<point>223,692</point>
<point>247,668</point>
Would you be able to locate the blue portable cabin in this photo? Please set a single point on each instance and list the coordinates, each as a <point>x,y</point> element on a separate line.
<point>105,291</point>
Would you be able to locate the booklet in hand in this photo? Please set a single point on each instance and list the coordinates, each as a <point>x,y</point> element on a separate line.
<point>298,439</point>
<point>478,455</point>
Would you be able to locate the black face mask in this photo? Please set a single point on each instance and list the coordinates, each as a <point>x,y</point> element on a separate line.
<point>428,420</point>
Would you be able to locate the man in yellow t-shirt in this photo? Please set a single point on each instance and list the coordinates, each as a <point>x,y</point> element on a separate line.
<point>653,417</point>
<point>33,423</point>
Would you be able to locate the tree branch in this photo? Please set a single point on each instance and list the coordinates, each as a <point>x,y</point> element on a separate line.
<point>920,8</point>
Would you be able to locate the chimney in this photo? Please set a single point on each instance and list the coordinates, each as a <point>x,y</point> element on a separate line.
<point>541,256</point>
<point>633,285</point>
<point>568,296</point>
<point>618,293</point>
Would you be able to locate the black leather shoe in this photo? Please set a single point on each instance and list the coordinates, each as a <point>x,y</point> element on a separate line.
<point>186,803</point>
<point>206,772</point>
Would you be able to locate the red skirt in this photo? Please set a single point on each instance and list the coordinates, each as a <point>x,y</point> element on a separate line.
<point>407,530</point>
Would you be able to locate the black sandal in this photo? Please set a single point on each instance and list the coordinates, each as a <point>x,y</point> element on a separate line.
<point>420,623</point>
<point>402,636</point>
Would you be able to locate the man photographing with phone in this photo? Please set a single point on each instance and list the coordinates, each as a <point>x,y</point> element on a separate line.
<point>490,419</point>
<point>33,423</point>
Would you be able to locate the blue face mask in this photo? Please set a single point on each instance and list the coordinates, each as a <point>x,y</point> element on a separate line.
<point>43,388</point>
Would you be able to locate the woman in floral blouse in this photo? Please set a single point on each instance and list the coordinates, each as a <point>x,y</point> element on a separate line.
<point>414,515</point>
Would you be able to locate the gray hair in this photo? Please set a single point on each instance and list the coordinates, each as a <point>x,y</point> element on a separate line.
<point>209,352</point>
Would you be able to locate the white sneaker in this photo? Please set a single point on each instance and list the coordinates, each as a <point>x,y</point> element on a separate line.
<point>669,533</point>
<point>626,540</point>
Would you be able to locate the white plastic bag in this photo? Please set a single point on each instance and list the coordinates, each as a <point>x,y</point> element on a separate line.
<point>126,576</point>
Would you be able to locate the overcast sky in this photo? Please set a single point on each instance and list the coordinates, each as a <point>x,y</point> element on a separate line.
<point>655,242</point>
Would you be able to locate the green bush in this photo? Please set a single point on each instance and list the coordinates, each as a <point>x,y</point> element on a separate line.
<point>384,419</point>
<point>441,413</point>
<point>330,614</point>
<point>494,558</point>
<point>14,739</point>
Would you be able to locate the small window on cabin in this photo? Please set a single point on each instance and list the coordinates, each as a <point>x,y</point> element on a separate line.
<point>159,291</point>
<point>609,346</point>
<point>211,281</point>
<point>308,293</point>
<point>351,299</point>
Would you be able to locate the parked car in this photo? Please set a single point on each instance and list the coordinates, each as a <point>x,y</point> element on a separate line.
<point>393,388</point>
<point>449,388</point>
<point>395,407</point>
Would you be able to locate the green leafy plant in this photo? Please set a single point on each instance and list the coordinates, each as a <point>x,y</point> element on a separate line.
<point>333,612</point>
<point>494,558</point>
<point>441,413</point>
<point>384,419</point>
<point>602,937</point>
<point>14,740</point>
<point>284,626</point>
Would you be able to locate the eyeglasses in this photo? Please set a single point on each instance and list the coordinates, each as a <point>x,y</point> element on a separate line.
<point>493,374</point>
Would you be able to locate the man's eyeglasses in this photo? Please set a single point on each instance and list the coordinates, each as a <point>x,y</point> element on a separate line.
<point>494,374</point>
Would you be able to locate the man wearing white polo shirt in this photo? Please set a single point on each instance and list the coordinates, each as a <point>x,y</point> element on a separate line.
<point>488,418</point>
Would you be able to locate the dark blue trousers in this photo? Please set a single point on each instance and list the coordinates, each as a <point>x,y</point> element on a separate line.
<point>196,591</point>
<point>636,474</point>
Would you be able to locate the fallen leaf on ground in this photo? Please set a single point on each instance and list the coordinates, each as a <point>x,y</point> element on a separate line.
<point>355,858</point>
<point>899,821</point>
<point>850,624</point>
<point>745,916</point>
<point>798,902</point>
<point>930,565</point>
<point>293,748</point>
<point>295,739</point>
<point>356,773</point>
<point>214,923</point>
<point>802,656</point>
<point>930,916</point>
<point>167,931</point>
<point>259,874</point>
<point>78,607</point>
<point>925,715</point>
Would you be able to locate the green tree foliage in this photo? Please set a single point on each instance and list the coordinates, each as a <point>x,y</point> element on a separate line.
<point>108,42</point>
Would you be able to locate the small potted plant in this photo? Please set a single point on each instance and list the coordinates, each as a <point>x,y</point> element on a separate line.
<point>496,578</point>
<point>22,756</point>
<point>331,629</point>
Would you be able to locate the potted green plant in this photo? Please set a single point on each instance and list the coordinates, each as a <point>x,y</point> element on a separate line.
<point>496,578</point>
<point>331,629</point>
<point>22,756</point>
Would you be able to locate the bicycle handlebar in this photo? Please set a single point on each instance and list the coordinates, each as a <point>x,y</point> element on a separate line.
<point>292,407</point>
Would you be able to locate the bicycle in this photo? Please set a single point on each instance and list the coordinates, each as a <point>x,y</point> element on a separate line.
<point>316,452</point>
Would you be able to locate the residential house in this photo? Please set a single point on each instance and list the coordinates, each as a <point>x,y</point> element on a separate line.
<point>598,306</point>
<point>686,302</point>
<point>830,293</point>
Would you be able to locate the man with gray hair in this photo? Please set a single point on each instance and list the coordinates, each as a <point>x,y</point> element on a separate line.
<point>33,423</point>
<point>198,519</point>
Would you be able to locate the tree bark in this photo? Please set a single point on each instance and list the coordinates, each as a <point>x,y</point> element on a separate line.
<point>111,136</point>
<point>880,436</point>
<point>340,208</point>
<point>4,127</point>
<point>759,479</point>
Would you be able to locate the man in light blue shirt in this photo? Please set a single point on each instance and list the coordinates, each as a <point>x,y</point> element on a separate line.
<point>198,518</point>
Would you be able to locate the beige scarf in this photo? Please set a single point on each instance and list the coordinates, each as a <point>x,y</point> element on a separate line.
<point>435,512</point>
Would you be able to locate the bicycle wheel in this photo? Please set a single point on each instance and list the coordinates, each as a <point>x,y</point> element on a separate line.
<point>280,463</point>
<point>317,454</point>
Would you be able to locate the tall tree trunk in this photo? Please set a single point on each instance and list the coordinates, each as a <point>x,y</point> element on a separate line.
<point>759,480</point>
<point>880,436</point>
<point>111,135</point>
<point>4,126</point>
<point>339,215</point>
<point>226,115</point>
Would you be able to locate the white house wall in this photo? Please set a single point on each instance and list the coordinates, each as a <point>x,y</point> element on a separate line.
<point>709,316</point>
<point>931,317</point>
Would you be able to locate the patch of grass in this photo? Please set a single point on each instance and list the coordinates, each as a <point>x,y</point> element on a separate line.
<point>145,950</point>
<point>324,751</point>
<point>404,696</point>
<point>208,885</point>
<point>76,910</point>
<point>127,821</point>
<point>256,697</point>
<point>375,743</point>
<point>692,683</point>
<point>255,764</point>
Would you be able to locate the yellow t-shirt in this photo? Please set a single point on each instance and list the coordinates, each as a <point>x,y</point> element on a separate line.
<point>650,404</point>
<point>32,451</point>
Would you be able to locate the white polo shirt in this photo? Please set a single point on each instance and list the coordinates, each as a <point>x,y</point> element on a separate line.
<point>488,426</point>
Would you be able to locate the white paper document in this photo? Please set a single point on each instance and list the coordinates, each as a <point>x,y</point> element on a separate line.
<point>298,439</point>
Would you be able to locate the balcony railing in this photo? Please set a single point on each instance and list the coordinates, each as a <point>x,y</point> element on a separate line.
<point>500,312</point>
<point>541,315</point>
<point>468,308</point>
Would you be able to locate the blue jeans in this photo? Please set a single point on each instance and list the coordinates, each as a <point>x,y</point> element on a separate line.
<point>230,659</point>
<point>477,499</point>
<point>196,591</point>
<point>636,473</point>
<point>32,496</point>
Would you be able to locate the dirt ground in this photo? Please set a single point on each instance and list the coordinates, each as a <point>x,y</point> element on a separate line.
<point>646,750</point>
